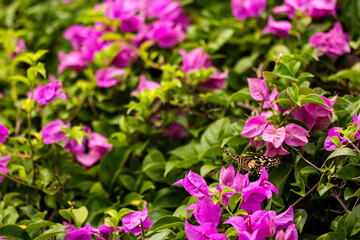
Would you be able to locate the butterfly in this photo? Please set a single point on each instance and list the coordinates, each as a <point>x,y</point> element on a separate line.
<point>250,163</point>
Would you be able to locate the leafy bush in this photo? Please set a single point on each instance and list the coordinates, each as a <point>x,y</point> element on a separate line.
<point>251,106</point>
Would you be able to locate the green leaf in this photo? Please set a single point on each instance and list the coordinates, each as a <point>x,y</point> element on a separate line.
<point>37,224</point>
<point>80,216</point>
<point>112,164</point>
<point>166,222</point>
<point>336,141</point>
<point>240,96</point>
<point>281,71</point>
<point>215,132</point>
<point>350,193</point>
<point>312,99</point>
<point>154,165</point>
<point>53,231</point>
<point>14,232</point>
<point>331,236</point>
<point>353,221</point>
<point>222,36</point>
<point>350,171</point>
<point>235,202</point>
<point>343,152</point>
<point>300,216</point>
<point>245,63</point>
<point>293,93</point>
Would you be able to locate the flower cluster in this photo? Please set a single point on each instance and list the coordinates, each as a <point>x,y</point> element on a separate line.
<point>130,223</point>
<point>315,116</point>
<point>196,60</point>
<point>161,22</point>
<point>47,93</point>
<point>339,137</point>
<point>91,149</point>
<point>334,42</point>
<point>257,224</point>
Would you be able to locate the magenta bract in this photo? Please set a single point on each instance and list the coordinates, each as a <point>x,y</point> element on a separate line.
<point>243,9</point>
<point>258,89</point>
<point>279,28</point>
<point>145,84</point>
<point>194,184</point>
<point>108,77</point>
<point>52,132</point>
<point>4,161</point>
<point>4,132</point>
<point>254,127</point>
<point>131,222</point>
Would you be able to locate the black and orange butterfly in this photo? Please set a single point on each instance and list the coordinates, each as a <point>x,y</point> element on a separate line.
<point>250,163</point>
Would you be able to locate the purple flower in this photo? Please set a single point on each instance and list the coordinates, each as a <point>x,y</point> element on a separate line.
<point>279,28</point>
<point>108,77</point>
<point>126,56</point>
<point>121,9</point>
<point>194,184</point>
<point>52,132</point>
<point>145,84</point>
<point>4,132</point>
<point>195,60</point>
<point>258,89</point>
<point>206,211</point>
<point>243,9</point>
<point>166,34</point>
<point>77,35</point>
<point>92,149</point>
<point>272,151</point>
<point>4,161</point>
<point>50,91</point>
<point>314,8</point>
<point>132,24</point>
<point>295,135</point>
<point>105,232</point>
<point>176,130</point>
<point>20,47</point>
<point>269,102</point>
<point>73,59</point>
<point>274,136</point>
<point>203,232</point>
<point>290,234</point>
<point>84,233</point>
<point>334,42</point>
<point>167,10</point>
<point>227,176</point>
<point>330,145</point>
<point>254,127</point>
<point>131,222</point>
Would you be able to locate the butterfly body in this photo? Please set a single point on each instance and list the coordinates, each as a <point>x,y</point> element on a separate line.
<point>250,163</point>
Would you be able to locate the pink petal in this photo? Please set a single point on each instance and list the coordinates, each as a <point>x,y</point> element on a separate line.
<point>254,127</point>
<point>258,89</point>
<point>271,135</point>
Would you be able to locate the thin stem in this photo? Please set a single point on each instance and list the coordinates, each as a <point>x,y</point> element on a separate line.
<point>307,194</point>
<point>357,200</point>
<point>355,148</point>
<point>142,229</point>
<point>20,182</point>
<point>31,146</point>
<point>306,159</point>
<point>336,196</point>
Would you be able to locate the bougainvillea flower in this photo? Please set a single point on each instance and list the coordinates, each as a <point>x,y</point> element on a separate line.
<point>330,145</point>
<point>217,80</point>
<point>254,127</point>
<point>83,233</point>
<point>279,28</point>
<point>194,184</point>
<point>166,34</point>
<point>167,10</point>
<point>313,8</point>
<point>290,234</point>
<point>50,91</point>
<point>227,175</point>
<point>4,132</point>
<point>177,131</point>
<point>77,35</point>
<point>320,110</point>
<point>272,151</point>
<point>258,89</point>
<point>73,59</point>
<point>132,24</point>
<point>19,47</point>
<point>4,161</point>
<point>269,102</point>
<point>195,60</point>
<point>121,9</point>
<point>52,132</point>
<point>92,148</point>
<point>131,222</point>
<point>203,232</point>
<point>145,84</point>
<point>243,9</point>
<point>334,42</point>
<point>104,232</point>
<point>240,182</point>
<point>295,135</point>
<point>108,77</point>
<point>274,136</point>
<point>126,56</point>
<point>206,211</point>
